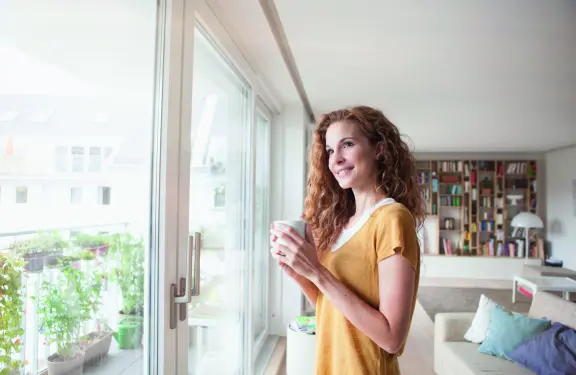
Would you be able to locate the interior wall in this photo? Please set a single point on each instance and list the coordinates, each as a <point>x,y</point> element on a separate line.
<point>561,209</point>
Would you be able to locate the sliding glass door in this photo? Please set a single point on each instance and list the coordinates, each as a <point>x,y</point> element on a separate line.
<point>81,216</point>
<point>228,217</point>
<point>219,206</point>
<point>134,194</point>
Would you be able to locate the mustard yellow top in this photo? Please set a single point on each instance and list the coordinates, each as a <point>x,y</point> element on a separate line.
<point>341,348</point>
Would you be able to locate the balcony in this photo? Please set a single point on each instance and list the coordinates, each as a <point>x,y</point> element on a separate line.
<point>67,288</point>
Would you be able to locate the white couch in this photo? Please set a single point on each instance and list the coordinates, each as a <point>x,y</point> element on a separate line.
<point>455,356</point>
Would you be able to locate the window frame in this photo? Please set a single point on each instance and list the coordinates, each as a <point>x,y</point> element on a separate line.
<point>207,21</point>
<point>260,109</point>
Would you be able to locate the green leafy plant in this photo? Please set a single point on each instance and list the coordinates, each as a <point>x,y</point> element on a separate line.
<point>64,304</point>
<point>129,271</point>
<point>91,241</point>
<point>87,255</point>
<point>40,243</point>
<point>11,312</point>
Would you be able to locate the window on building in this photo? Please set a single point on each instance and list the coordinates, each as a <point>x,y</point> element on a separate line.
<point>220,196</point>
<point>62,159</point>
<point>104,195</point>
<point>77,159</point>
<point>21,194</point>
<point>76,195</point>
<point>95,159</point>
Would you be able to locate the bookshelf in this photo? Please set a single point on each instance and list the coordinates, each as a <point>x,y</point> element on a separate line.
<point>470,204</point>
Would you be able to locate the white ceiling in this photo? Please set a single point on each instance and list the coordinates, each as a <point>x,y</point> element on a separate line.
<point>482,75</point>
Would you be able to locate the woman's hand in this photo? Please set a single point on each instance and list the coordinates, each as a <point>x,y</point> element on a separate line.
<point>293,252</point>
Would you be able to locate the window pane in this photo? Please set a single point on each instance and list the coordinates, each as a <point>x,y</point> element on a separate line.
<point>261,243</point>
<point>76,78</point>
<point>78,159</point>
<point>61,159</point>
<point>218,207</point>
<point>95,159</point>
<point>21,194</point>
<point>76,195</point>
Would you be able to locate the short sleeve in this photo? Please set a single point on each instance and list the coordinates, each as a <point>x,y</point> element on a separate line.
<point>395,233</point>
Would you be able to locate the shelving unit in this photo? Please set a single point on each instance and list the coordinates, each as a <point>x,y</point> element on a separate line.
<point>470,205</point>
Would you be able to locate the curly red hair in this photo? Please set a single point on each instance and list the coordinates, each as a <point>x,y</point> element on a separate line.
<point>328,207</point>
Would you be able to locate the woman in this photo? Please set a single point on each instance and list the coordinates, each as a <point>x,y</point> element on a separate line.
<point>360,262</point>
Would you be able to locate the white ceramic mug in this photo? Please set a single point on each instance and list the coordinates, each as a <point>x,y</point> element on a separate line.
<point>298,225</point>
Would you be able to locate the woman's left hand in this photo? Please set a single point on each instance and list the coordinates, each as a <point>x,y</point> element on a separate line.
<point>295,251</point>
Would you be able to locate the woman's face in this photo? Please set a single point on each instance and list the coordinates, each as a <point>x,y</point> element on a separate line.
<point>351,158</point>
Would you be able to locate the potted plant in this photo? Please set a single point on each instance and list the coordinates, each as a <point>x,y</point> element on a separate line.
<point>129,274</point>
<point>97,244</point>
<point>40,250</point>
<point>95,344</point>
<point>61,310</point>
<point>11,313</point>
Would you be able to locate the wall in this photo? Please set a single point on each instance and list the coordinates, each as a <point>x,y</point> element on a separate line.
<point>484,268</point>
<point>287,203</point>
<point>561,207</point>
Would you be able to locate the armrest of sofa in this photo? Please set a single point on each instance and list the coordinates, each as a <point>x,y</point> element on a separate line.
<point>450,327</point>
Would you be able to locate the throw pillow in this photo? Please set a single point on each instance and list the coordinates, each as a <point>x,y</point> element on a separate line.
<point>507,330</point>
<point>552,352</point>
<point>479,327</point>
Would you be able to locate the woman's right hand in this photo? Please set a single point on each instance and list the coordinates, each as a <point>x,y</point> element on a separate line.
<point>286,268</point>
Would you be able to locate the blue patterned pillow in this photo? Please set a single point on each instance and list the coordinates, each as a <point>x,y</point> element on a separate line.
<point>552,352</point>
<point>507,330</point>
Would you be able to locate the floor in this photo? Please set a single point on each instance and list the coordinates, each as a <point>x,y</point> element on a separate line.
<point>418,356</point>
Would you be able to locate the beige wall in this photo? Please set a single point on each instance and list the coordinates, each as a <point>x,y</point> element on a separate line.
<point>561,204</point>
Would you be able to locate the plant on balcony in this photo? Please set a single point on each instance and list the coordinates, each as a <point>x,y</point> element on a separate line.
<point>11,312</point>
<point>63,305</point>
<point>97,244</point>
<point>95,344</point>
<point>40,250</point>
<point>129,274</point>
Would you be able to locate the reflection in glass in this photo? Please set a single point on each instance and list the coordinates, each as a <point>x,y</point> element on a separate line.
<point>76,95</point>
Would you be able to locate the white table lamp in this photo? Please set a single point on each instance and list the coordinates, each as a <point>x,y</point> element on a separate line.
<point>527,220</point>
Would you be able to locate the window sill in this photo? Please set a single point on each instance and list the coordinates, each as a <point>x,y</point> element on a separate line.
<point>272,357</point>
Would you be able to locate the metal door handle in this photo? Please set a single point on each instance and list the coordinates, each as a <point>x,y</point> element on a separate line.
<point>195,289</point>
<point>182,293</point>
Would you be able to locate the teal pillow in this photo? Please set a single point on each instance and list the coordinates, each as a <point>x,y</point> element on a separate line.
<point>507,330</point>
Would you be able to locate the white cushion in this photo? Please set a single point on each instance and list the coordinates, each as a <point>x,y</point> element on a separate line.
<point>479,327</point>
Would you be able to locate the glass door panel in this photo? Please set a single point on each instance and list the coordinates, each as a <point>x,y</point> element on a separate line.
<point>76,124</point>
<point>218,211</point>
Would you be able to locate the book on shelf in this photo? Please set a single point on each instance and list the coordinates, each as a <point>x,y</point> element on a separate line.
<point>517,168</point>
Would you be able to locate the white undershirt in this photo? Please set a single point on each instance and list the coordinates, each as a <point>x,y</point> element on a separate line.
<point>347,233</point>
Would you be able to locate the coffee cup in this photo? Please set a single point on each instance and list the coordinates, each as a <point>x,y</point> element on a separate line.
<point>298,225</point>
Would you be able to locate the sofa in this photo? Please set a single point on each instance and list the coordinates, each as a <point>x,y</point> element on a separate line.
<point>453,355</point>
